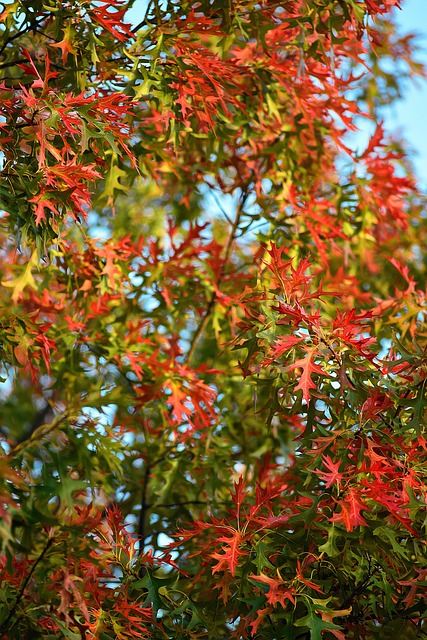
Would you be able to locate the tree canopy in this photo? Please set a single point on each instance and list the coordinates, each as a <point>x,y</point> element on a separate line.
<point>213,335</point>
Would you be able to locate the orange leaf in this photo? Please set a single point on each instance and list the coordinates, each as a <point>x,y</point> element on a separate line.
<point>308,367</point>
<point>277,592</point>
<point>228,560</point>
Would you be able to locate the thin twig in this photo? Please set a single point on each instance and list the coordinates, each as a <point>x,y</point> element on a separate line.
<point>180,504</point>
<point>143,511</point>
<point>31,26</point>
<point>212,301</point>
<point>145,19</point>
<point>221,208</point>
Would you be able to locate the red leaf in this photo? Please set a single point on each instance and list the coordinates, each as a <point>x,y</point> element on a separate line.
<point>308,368</point>
<point>228,560</point>
<point>351,507</point>
<point>177,399</point>
<point>277,592</point>
<point>333,475</point>
<point>300,576</point>
<point>261,614</point>
<point>375,141</point>
<point>282,344</point>
<point>239,494</point>
<point>112,20</point>
<point>42,202</point>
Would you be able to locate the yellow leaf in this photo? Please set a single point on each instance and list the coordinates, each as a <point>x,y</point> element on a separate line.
<point>24,280</point>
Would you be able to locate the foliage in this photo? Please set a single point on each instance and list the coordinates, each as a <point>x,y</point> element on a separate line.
<point>213,323</point>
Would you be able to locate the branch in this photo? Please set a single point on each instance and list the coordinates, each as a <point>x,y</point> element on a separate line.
<point>211,304</point>
<point>180,504</point>
<point>12,63</point>
<point>32,26</point>
<point>145,20</point>
<point>39,433</point>
<point>4,626</point>
<point>361,587</point>
<point>38,420</point>
<point>143,512</point>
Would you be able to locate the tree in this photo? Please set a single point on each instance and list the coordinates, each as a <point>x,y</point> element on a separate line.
<point>213,323</point>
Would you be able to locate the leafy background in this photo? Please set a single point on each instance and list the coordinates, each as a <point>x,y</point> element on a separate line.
<point>283,565</point>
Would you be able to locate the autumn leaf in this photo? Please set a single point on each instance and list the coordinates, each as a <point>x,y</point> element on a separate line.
<point>350,508</point>
<point>331,476</point>
<point>309,367</point>
<point>231,552</point>
<point>281,346</point>
<point>21,282</point>
<point>178,187</point>
<point>239,494</point>
<point>66,45</point>
<point>277,592</point>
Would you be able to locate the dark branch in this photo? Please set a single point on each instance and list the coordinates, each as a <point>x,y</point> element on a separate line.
<point>32,26</point>
<point>143,511</point>
<point>42,416</point>
<point>5,626</point>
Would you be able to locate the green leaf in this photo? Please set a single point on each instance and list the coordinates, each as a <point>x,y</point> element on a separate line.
<point>261,560</point>
<point>329,547</point>
<point>67,633</point>
<point>153,581</point>
<point>390,536</point>
<point>313,622</point>
<point>198,616</point>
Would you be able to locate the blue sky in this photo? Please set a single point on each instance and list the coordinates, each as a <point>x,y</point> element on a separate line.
<point>410,115</point>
